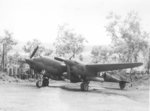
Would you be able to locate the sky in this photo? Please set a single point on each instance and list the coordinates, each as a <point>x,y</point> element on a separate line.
<point>29,19</point>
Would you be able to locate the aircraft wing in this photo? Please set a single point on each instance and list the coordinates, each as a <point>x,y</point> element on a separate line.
<point>110,67</point>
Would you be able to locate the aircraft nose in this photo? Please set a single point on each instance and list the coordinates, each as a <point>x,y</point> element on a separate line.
<point>28,61</point>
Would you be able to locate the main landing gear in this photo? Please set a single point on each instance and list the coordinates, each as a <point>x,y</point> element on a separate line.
<point>42,82</point>
<point>122,85</point>
<point>84,86</point>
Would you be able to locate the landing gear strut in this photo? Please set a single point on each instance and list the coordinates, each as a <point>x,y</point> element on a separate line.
<point>45,81</point>
<point>122,85</point>
<point>84,86</point>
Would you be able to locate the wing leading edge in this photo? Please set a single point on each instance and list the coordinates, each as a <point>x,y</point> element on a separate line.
<point>110,67</point>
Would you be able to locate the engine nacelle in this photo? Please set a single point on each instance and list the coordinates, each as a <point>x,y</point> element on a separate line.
<point>74,78</point>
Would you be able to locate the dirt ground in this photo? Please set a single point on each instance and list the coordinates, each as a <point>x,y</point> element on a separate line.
<point>64,96</point>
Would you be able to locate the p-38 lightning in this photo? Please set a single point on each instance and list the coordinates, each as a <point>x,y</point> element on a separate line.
<point>76,72</point>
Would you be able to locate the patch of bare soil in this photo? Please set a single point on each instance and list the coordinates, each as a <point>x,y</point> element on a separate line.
<point>65,96</point>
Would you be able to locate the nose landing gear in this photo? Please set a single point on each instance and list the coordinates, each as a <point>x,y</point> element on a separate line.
<point>42,82</point>
<point>39,83</point>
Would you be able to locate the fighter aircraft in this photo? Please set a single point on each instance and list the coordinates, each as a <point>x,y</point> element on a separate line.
<point>76,72</point>
<point>85,73</point>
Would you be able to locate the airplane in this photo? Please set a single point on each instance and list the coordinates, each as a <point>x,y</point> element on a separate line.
<point>76,72</point>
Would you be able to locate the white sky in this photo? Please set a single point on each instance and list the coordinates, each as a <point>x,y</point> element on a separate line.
<point>29,19</point>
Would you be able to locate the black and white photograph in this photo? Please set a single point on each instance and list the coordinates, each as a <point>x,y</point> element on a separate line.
<point>74,55</point>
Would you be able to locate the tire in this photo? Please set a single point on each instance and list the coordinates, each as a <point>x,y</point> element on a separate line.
<point>39,83</point>
<point>122,85</point>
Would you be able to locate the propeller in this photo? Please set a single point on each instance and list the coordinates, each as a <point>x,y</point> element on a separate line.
<point>29,60</point>
<point>33,53</point>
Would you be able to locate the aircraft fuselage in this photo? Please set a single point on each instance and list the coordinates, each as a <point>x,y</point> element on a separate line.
<point>52,67</point>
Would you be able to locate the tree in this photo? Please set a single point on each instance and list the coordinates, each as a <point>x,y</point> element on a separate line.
<point>14,58</point>
<point>129,40</point>
<point>100,54</point>
<point>68,43</point>
<point>81,57</point>
<point>7,43</point>
<point>48,52</point>
<point>31,45</point>
<point>147,60</point>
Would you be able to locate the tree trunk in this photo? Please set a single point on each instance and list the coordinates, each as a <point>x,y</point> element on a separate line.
<point>131,74</point>
<point>3,58</point>
<point>148,70</point>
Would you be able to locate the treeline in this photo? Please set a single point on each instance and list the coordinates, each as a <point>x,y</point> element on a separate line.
<point>130,43</point>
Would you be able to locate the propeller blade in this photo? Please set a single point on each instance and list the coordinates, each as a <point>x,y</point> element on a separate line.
<point>33,53</point>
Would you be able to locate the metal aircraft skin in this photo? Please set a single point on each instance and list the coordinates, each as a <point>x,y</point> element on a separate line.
<point>53,68</point>
<point>76,72</point>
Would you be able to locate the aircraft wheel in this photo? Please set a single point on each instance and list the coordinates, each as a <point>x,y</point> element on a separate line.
<point>84,86</point>
<point>39,83</point>
<point>45,82</point>
<point>122,85</point>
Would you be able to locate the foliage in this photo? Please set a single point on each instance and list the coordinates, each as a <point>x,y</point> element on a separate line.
<point>68,43</point>
<point>47,52</point>
<point>13,59</point>
<point>147,60</point>
<point>128,39</point>
<point>31,45</point>
<point>81,57</point>
<point>8,41</point>
<point>100,54</point>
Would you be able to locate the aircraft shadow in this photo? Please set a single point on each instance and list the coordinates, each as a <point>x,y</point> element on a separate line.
<point>112,88</point>
<point>71,89</point>
<point>106,91</point>
<point>34,86</point>
<point>55,86</point>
